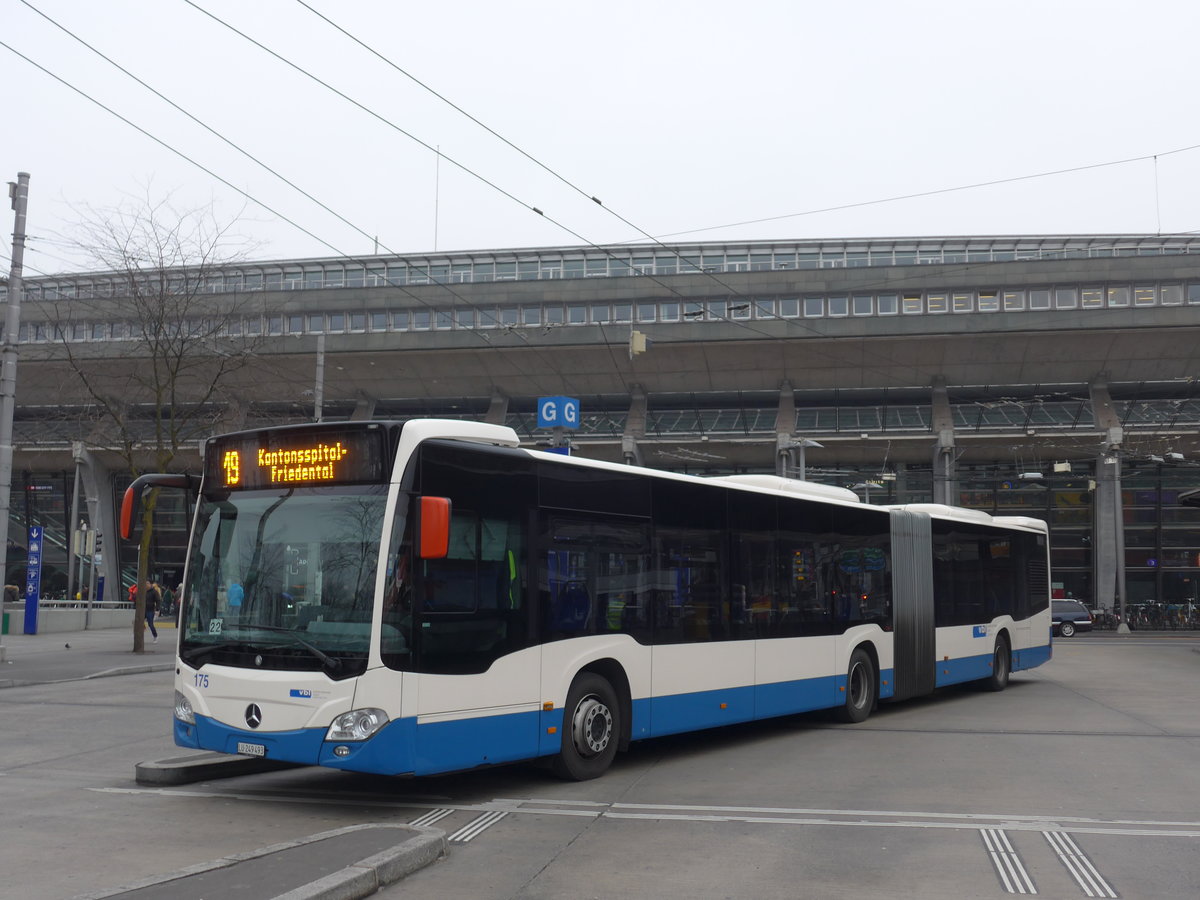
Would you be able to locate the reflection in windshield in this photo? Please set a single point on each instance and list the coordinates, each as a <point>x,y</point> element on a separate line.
<point>287,577</point>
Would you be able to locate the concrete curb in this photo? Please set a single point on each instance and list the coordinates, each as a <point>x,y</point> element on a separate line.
<point>365,877</point>
<point>203,766</point>
<point>107,673</point>
<point>360,879</point>
<point>128,670</point>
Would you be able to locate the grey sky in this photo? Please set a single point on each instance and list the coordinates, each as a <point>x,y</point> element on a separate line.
<point>680,116</point>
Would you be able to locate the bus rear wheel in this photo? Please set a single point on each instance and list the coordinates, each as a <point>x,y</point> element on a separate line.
<point>1001,666</point>
<point>590,731</point>
<point>861,689</point>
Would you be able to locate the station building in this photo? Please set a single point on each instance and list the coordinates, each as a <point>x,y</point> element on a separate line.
<point>1052,376</point>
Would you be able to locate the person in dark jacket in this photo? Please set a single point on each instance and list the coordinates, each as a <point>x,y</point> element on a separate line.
<point>153,600</point>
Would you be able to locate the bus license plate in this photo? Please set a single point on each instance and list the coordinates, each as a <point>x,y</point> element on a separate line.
<point>252,749</point>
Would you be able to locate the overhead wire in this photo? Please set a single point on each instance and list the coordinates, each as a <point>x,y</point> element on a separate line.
<point>462,166</point>
<point>168,147</point>
<point>198,121</point>
<point>221,137</point>
<point>935,192</point>
<point>24,265</point>
<point>528,206</point>
<point>588,195</point>
<point>732,291</point>
<point>533,159</point>
<point>656,239</point>
<point>674,251</point>
<point>483,335</point>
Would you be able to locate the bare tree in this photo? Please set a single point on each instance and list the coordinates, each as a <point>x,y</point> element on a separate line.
<point>164,380</point>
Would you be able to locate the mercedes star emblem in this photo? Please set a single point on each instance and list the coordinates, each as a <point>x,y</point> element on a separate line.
<point>253,715</point>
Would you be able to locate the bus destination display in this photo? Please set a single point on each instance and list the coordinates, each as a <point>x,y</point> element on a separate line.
<point>302,458</point>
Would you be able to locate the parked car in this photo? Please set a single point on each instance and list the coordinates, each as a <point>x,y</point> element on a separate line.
<point>1069,616</point>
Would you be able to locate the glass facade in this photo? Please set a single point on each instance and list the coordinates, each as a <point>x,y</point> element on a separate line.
<point>686,259</point>
<point>1162,539</point>
<point>42,500</point>
<point>734,309</point>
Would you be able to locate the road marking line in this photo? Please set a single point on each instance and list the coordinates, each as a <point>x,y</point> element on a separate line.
<point>1076,862</point>
<point>434,815</point>
<point>851,818</point>
<point>1007,862</point>
<point>1006,819</point>
<point>473,829</point>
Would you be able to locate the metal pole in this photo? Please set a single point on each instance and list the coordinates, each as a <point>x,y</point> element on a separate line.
<point>1119,541</point>
<point>87,619</point>
<point>18,192</point>
<point>319,387</point>
<point>83,536</point>
<point>74,545</point>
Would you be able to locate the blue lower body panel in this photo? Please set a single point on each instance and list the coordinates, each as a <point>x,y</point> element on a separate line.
<point>974,668</point>
<point>1031,657</point>
<point>710,709</point>
<point>300,746</point>
<point>401,747</point>
<point>967,668</point>
<point>404,747</point>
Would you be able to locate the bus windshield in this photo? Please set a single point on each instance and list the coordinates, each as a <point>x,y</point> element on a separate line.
<point>284,579</point>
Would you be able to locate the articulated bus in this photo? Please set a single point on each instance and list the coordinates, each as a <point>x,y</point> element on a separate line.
<point>417,597</point>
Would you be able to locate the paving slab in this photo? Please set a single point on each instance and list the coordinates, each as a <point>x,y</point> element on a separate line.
<point>343,864</point>
<point>31,659</point>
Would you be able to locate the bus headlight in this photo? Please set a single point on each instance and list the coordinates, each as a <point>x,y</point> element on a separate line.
<point>183,709</point>
<point>356,725</point>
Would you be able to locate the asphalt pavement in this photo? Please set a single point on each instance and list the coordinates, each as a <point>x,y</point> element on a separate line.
<point>322,867</point>
<point>330,866</point>
<point>75,655</point>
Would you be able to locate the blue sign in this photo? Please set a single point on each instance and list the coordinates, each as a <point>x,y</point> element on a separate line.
<point>33,578</point>
<point>557,412</point>
<point>980,631</point>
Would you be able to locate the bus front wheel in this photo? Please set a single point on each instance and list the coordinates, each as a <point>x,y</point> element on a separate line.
<point>591,728</point>
<point>861,688</point>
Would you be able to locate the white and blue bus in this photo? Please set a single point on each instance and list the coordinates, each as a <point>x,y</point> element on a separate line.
<point>422,597</point>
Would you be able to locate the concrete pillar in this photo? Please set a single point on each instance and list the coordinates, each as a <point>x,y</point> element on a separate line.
<point>945,477</point>
<point>1108,526</point>
<point>364,408</point>
<point>1107,530</point>
<point>785,427</point>
<point>497,409</point>
<point>635,427</point>
<point>102,512</point>
<point>233,417</point>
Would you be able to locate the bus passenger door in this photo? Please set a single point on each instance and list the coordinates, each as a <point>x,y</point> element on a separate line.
<point>478,694</point>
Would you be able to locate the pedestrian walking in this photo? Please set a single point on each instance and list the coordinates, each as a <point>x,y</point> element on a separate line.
<point>153,599</point>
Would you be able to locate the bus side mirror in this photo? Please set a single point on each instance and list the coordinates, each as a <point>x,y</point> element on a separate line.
<point>435,528</point>
<point>133,494</point>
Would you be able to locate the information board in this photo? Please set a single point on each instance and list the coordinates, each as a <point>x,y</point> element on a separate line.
<point>296,457</point>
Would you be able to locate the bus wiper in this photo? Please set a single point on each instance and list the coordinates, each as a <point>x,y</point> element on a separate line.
<point>194,655</point>
<point>331,661</point>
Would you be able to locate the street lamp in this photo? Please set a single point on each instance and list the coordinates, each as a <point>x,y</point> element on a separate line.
<point>800,445</point>
<point>865,487</point>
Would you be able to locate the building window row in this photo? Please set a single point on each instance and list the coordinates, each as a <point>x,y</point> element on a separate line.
<point>620,262</point>
<point>740,309</point>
